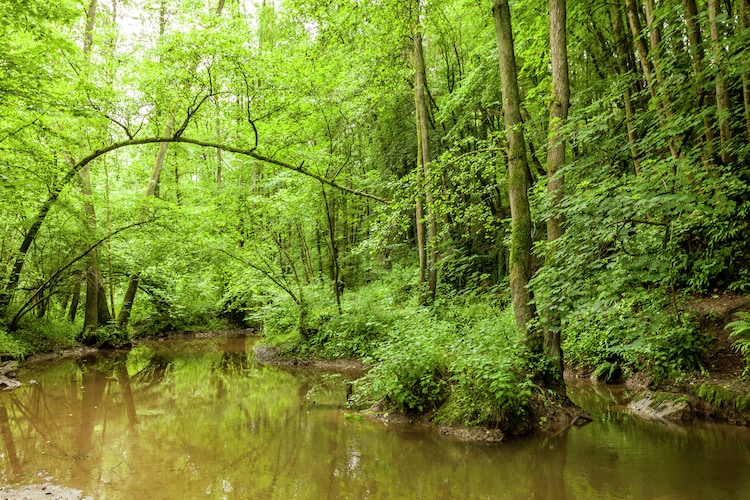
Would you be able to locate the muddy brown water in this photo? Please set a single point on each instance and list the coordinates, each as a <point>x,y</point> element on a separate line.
<point>202,419</point>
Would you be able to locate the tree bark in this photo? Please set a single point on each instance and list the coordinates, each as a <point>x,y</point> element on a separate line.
<point>745,17</point>
<point>127,302</point>
<point>518,176</point>
<point>697,55</point>
<point>640,44</point>
<point>558,115</point>
<point>722,95</point>
<point>558,112</point>
<point>423,160</point>
<point>419,223</point>
<point>97,311</point>
<point>338,284</point>
<point>75,297</point>
<point>622,60</point>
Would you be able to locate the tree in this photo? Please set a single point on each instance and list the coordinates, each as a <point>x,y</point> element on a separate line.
<point>519,266</point>
<point>423,165</point>
<point>558,114</point>
<point>97,310</point>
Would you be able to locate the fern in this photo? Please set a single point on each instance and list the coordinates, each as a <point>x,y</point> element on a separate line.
<point>741,333</point>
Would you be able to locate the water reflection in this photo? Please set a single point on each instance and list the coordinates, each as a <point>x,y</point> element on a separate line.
<point>200,418</point>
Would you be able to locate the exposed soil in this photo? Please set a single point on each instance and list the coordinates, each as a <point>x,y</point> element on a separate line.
<point>270,355</point>
<point>723,366</point>
<point>713,313</point>
<point>75,352</point>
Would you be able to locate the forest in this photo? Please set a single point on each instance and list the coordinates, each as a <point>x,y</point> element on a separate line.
<point>471,196</point>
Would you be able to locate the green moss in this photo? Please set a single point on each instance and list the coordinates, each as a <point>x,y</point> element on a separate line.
<point>723,397</point>
<point>658,397</point>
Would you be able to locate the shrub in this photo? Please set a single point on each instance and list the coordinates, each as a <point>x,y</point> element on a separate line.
<point>490,384</point>
<point>105,337</point>
<point>411,368</point>
<point>612,337</point>
<point>462,358</point>
<point>11,348</point>
<point>38,336</point>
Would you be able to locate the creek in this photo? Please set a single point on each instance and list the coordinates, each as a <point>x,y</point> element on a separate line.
<point>200,418</point>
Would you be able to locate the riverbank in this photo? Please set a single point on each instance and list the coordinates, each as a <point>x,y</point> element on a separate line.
<point>424,371</point>
<point>716,392</point>
<point>544,414</point>
<point>461,369</point>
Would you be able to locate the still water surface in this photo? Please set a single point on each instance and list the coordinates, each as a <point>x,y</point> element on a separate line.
<point>201,419</point>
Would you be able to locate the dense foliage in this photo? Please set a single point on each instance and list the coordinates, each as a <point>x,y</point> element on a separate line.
<point>189,166</point>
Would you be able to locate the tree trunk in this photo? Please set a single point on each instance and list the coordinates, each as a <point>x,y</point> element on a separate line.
<point>722,95</point>
<point>518,176</point>
<point>558,114</point>
<point>419,222</point>
<point>745,16</point>
<point>97,311</point>
<point>338,283</point>
<point>88,35</point>
<point>697,55</point>
<point>640,44</point>
<point>127,302</point>
<point>103,314</point>
<point>643,56</point>
<point>75,297</point>
<point>91,318</point>
<point>622,59</point>
<point>423,160</point>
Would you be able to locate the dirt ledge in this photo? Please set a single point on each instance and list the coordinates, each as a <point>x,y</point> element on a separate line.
<point>270,355</point>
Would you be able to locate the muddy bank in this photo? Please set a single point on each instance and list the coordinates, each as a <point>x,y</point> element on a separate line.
<point>270,355</point>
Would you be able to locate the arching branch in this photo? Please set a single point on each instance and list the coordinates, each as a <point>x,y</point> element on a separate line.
<point>11,283</point>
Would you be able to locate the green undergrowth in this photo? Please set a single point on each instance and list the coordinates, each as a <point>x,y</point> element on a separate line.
<point>105,337</point>
<point>459,360</point>
<point>35,337</point>
<point>614,339</point>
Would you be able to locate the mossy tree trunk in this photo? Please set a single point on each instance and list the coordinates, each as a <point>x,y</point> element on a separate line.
<point>558,114</point>
<point>518,177</point>
<point>423,163</point>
